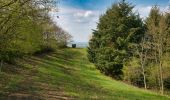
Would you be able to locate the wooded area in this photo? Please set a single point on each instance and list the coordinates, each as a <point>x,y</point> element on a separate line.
<point>135,50</point>
<point>27,28</point>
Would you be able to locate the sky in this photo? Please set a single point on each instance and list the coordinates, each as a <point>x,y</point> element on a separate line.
<point>80,17</point>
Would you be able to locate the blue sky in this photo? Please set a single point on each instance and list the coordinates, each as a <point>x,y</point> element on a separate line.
<point>100,4</point>
<point>79,17</point>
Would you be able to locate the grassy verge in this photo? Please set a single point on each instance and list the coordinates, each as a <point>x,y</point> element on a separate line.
<point>66,74</point>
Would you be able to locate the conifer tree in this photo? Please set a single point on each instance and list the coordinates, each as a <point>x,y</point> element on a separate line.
<point>110,44</point>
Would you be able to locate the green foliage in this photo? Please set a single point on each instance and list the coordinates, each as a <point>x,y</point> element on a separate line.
<point>26,28</point>
<point>117,29</point>
<point>156,46</point>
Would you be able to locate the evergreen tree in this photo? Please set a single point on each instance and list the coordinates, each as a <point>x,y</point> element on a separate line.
<point>110,44</point>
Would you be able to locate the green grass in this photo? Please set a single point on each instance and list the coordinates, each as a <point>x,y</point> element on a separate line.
<point>67,73</point>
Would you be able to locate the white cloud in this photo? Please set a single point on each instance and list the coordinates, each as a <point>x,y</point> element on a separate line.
<point>84,14</point>
<point>144,10</point>
<point>78,22</point>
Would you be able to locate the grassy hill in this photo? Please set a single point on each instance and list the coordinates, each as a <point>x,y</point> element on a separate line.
<point>64,74</point>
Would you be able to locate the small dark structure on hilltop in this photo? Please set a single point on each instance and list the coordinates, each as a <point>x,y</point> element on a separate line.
<point>73,45</point>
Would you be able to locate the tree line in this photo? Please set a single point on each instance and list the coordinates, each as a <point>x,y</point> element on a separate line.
<point>129,48</point>
<point>26,27</point>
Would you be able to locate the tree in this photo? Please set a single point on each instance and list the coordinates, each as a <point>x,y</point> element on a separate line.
<point>157,28</point>
<point>142,52</point>
<point>109,46</point>
<point>22,24</point>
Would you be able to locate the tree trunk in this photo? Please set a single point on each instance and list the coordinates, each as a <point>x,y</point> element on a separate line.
<point>160,48</point>
<point>143,60</point>
<point>144,77</point>
<point>1,65</point>
<point>161,79</point>
<point>158,71</point>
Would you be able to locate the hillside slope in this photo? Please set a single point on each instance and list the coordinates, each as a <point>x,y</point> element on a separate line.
<point>65,74</point>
